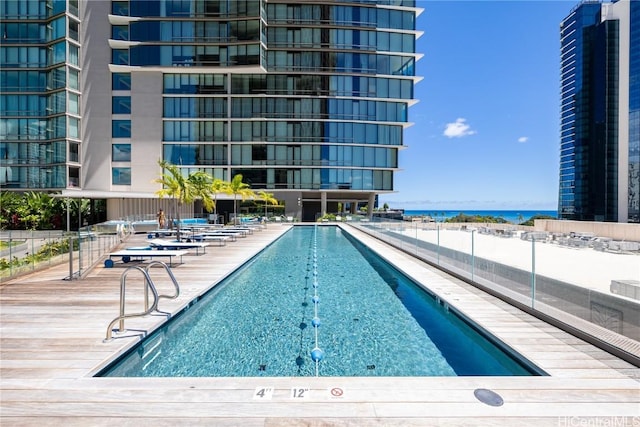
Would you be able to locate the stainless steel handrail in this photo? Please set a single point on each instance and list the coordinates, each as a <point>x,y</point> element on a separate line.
<point>171,276</point>
<point>148,285</point>
<point>147,310</point>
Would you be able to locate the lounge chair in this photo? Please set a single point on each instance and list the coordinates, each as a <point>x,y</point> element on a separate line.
<point>215,236</point>
<point>130,254</point>
<point>161,244</point>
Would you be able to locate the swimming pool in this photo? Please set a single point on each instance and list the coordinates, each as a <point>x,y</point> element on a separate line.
<point>317,302</point>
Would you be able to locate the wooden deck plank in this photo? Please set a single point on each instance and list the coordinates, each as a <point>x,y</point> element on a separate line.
<point>51,342</point>
<point>242,410</point>
<point>533,384</point>
<point>376,395</point>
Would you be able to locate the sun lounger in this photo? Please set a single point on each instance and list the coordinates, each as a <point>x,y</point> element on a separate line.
<point>253,227</point>
<point>127,255</point>
<point>161,233</point>
<point>234,234</point>
<point>231,230</point>
<point>202,227</point>
<point>175,245</point>
<point>240,228</point>
<point>215,236</point>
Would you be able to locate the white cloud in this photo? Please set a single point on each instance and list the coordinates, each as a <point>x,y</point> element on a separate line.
<point>458,129</point>
<point>523,139</point>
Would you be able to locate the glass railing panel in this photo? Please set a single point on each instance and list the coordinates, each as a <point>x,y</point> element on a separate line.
<point>26,251</point>
<point>592,285</point>
<point>581,281</point>
<point>503,261</point>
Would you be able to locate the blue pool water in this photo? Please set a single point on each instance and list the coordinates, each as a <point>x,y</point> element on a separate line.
<point>261,321</point>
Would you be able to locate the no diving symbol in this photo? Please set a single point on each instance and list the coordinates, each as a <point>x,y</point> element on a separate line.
<point>336,392</point>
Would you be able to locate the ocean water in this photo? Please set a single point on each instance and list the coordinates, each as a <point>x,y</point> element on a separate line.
<point>513,216</point>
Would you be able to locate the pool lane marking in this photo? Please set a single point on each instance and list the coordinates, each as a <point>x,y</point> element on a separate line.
<point>263,393</point>
<point>298,393</point>
<point>316,353</point>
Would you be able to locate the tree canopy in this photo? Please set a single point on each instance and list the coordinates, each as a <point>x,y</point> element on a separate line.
<point>239,188</point>
<point>184,189</point>
<point>37,210</point>
<point>461,217</point>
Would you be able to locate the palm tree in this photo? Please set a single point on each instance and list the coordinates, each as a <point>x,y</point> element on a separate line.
<point>201,183</point>
<point>175,185</point>
<point>238,188</point>
<point>217,186</point>
<point>267,198</point>
<point>80,208</point>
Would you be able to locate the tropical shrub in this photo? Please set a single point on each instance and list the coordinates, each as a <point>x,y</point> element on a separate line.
<point>38,211</point>
<point>461,217</point>
<point>531,220</point>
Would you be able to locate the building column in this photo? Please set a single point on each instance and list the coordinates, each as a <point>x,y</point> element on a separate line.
<point>323,203</point>
<point>372,201</point>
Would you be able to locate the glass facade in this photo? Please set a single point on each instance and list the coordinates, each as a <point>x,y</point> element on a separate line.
<point>294,95</point>
<point>634,115</point>
<point>40,117</point>
<point>574,51</point>
<point>592,52</point>
<point>121,176</point>
<point>323,107</point>
<point>121,152</point>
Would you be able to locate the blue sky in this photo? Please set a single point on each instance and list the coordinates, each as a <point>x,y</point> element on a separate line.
<point>486,132</point>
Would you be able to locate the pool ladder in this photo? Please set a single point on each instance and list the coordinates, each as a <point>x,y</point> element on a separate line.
<point>149,285</point>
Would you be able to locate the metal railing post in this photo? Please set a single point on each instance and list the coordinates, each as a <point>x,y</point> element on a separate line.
<point>473,259</point>
<point>79,252</point>
<point>70,257</point>
<point>533,272</point>
<point>438,240</point>
<point>33,251</point>
<point>10,255</point>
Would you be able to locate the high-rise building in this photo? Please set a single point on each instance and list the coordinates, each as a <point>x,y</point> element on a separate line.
<point>307,100</point>
<point>40,114</point>
<point>600,112</point>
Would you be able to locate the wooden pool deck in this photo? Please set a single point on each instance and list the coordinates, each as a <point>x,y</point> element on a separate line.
<point>51,345</point>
